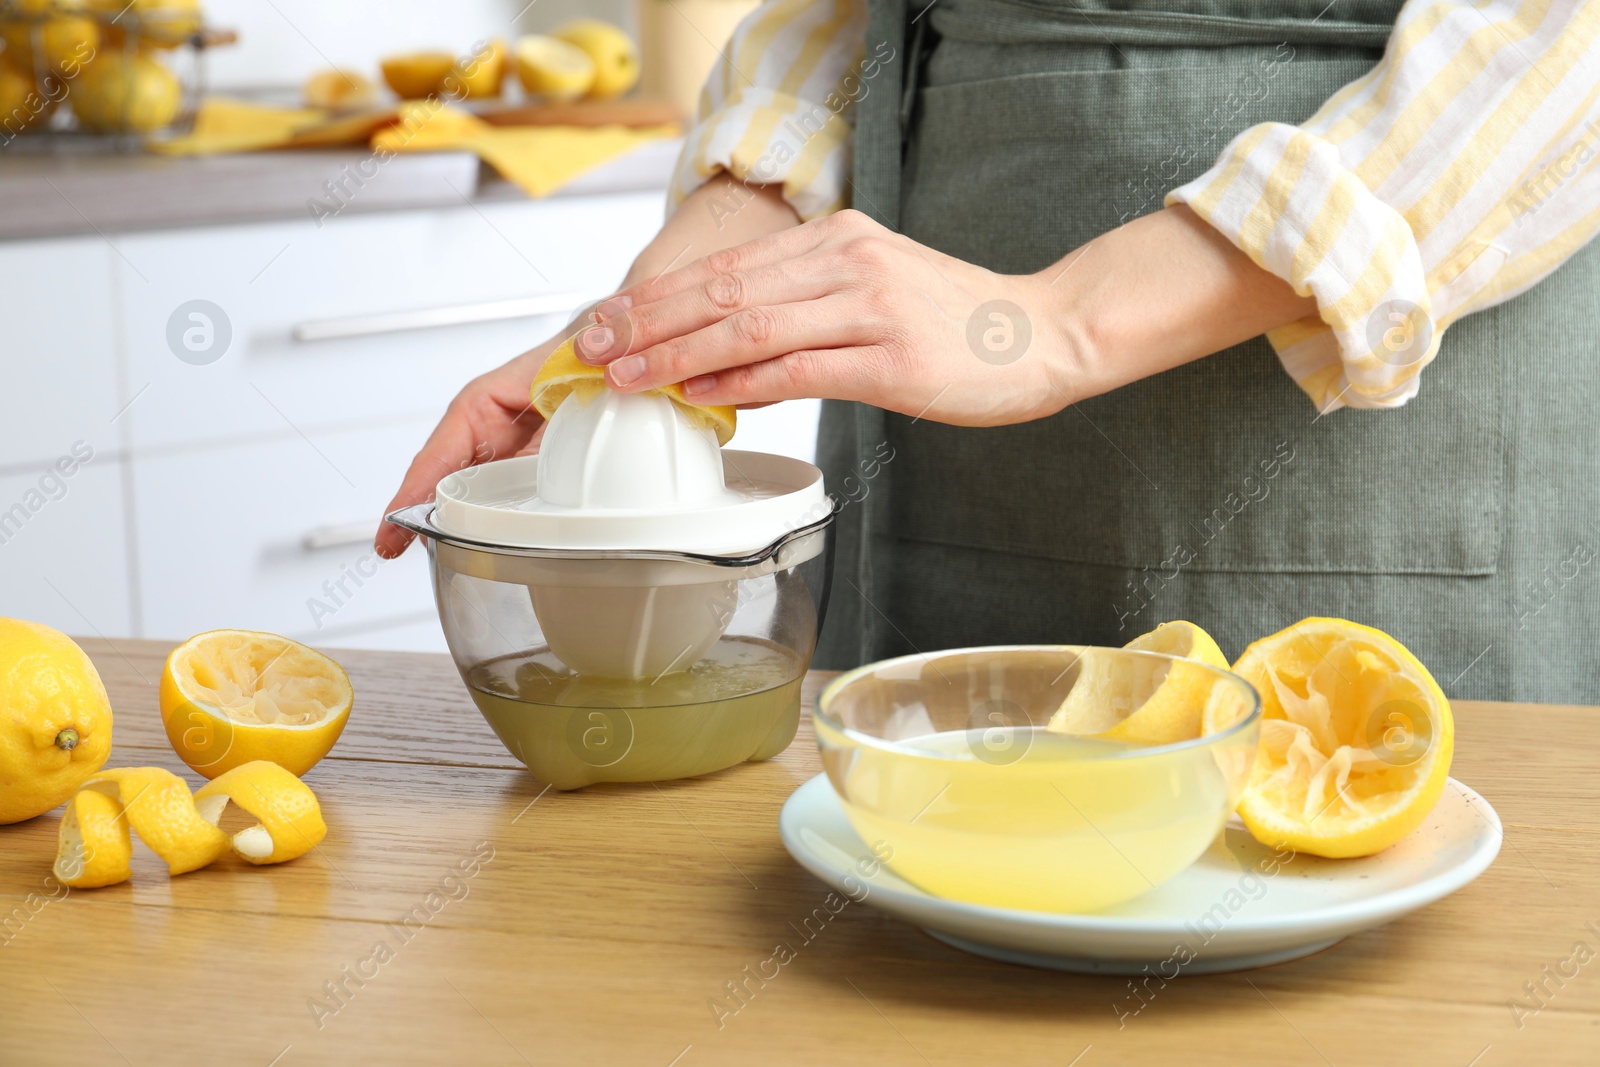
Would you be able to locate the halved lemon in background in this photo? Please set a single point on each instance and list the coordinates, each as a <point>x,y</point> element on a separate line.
<point>415,75</point>
<point>229,697</point>
<point>553,69</point>
<point>615,56</point>
<point>1356,739</point>
<point>1118,698</point>
<point>564,373</point>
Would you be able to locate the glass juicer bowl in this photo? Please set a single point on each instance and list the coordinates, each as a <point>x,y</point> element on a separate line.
<point>620,664</point>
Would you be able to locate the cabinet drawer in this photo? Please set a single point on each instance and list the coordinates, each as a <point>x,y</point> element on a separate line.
<point>272,282</point>
<point>63,546</point>
<point>57,338</point>
<point>276,536</point>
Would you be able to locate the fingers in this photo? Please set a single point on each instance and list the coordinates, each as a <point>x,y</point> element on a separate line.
<point>463,438</point>
<point>853,373</point>
<point>644,326</point>
<point>753,335</point>
<point>762,252</point>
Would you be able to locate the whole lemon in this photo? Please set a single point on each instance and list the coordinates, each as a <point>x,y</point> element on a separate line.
<point>22,106</point>
<point>67,41</point>
<point>55,720</point>
<point>616,59</point>
<point>118,92</point>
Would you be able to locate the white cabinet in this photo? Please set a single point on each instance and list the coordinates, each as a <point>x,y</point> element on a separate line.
<point>63,546</point>
<point>277,535</point>
<point>267,282</point>
<point>58,370</point>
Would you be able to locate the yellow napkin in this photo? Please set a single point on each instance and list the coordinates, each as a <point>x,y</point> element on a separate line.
<point>537,159</point>
<point>224,125</point>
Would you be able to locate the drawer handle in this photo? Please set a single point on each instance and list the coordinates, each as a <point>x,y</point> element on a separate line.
<point>433,318</point>
<point>338,536</point>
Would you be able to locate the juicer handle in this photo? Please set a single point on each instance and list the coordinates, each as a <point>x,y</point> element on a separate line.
<point>434,318</point>
<point>337,536</point>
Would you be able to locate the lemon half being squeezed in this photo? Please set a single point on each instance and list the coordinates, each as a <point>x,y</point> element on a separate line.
<point>564,373</point>
<point>229,697</point>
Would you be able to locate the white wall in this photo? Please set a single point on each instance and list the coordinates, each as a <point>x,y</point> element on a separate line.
<point>282,42</point>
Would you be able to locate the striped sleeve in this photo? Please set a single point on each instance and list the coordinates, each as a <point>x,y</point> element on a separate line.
<point>1453,176</point>
<point>779,105</point>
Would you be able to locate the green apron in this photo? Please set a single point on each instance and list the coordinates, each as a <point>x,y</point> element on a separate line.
<point>1466,524</point>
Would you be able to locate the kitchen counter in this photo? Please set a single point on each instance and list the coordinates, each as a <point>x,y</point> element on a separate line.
<point>75,190</point>
<point>599,925</point>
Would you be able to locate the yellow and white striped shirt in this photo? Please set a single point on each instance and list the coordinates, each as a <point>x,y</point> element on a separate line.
<point>1455,175</point>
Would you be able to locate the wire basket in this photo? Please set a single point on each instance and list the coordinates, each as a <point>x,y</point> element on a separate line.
<point>54,41</point>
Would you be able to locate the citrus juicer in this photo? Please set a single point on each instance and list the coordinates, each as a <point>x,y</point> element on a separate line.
<point>632,603</point>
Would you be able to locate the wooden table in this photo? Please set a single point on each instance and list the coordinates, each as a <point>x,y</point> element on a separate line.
<point>605,922</point>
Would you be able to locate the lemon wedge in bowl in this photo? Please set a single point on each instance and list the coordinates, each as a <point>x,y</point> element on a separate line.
<point>230,697</point>
<point>563,374</point>
<point>1143,703</point>
<point>1356,739</point>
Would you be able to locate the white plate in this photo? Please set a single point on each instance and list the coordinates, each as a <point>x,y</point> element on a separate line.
<point>1240,905</point>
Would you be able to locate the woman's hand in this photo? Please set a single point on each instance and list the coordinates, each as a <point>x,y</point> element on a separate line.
<point>845,309</point>
<point>493,418</point>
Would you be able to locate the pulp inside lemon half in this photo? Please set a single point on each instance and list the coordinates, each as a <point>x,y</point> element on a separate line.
<point>256,678</point>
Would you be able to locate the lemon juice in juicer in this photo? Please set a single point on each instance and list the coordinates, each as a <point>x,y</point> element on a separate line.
<point>633,603</point>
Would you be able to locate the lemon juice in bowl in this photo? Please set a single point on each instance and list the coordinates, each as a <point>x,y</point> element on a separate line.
<point>947,759</point>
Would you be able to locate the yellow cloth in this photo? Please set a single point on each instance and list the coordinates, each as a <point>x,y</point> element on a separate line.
<point>537,159</point>
<point>224,125</point>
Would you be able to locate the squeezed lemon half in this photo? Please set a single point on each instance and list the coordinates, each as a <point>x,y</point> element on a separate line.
<point>1356,739</point>
<point>229,697</point>
<point>564,373</point>
<point>1118,698</point>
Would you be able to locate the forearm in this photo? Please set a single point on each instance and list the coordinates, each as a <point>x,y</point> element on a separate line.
<point>1156,293</point>
<point>722,213</point>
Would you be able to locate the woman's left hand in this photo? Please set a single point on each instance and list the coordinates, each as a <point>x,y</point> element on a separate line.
<point>842,308</point>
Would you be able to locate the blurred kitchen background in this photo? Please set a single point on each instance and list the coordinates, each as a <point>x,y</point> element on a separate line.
<point>158,482</point>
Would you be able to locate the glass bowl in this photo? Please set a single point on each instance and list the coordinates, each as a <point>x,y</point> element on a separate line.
<point>944,766</point>
<point>631,666</point>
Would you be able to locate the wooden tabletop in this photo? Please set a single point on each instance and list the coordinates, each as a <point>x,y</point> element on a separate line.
<point>600,925</point>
